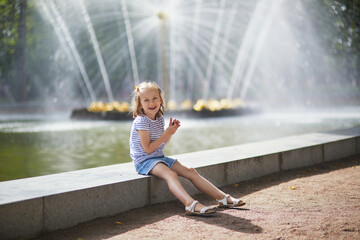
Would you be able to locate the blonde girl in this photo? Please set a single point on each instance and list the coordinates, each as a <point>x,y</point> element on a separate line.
<point>147,141</point>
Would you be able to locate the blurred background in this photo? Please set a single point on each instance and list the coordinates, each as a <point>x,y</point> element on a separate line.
<point>295,62</point>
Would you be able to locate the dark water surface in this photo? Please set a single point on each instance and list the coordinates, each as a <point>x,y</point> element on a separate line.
<point>34,145</point>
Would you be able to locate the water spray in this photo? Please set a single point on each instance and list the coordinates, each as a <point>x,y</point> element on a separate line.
<point>65,32</point>
<point>97,51</point>
<point>130,43</point>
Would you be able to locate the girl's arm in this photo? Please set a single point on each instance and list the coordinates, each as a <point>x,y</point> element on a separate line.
<point>171,123</point>
<point>148,146</point>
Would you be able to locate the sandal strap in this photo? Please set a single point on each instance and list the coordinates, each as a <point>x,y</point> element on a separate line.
<point>224,200</point>
<point>236,201</point>
<point>204,209</point>
<point>191,208</point>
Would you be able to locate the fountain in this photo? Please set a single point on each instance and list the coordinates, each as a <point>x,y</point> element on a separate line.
<point>204,107</point>
<point>212,58</point>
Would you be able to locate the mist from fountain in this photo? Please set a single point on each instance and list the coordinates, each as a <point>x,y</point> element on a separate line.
<point>172,60</point>
<point>194,36</point>
<point>130,41</point>
<point>97,51</point>
<point>64,37</point>
<point>258,47</point>
<point>208,50</point>
<point>214,43</point>
<point>223,50</point>
<point>64,46</point>
<point>244,51</point>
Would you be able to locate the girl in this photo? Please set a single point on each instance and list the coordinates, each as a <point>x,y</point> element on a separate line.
<point>147,141</point>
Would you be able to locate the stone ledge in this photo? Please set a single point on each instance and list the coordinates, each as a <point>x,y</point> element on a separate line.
<point>47,203</point>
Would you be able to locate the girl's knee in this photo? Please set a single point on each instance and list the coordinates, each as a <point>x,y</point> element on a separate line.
<point>186,172</point>
<point>191,172</point>
<point>172,175</point>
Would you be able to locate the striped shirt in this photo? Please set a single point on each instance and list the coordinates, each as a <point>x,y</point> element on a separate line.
<point>155,127</point>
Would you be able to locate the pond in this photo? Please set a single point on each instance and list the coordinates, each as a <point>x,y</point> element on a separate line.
<point>34,145</point>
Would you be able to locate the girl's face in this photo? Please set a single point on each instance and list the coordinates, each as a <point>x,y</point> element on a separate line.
<point>150,102</point>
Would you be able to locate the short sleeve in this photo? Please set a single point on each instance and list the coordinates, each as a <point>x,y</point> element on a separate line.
<point>141,124</point>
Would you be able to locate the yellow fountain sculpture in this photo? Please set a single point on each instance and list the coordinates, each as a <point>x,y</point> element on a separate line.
<point>212,105</point>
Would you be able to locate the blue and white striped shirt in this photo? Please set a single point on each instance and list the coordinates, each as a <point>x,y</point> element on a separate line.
<point>155,127</point>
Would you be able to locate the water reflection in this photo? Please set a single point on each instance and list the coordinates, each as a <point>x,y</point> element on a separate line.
<point>40,147</point>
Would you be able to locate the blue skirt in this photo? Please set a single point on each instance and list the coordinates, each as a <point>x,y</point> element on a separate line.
<point>145,167</point>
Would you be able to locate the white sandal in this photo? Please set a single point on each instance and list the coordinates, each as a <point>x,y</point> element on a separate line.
<point>223,203</point>
<point>190,210</point>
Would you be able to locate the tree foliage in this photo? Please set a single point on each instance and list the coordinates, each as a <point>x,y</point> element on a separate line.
<point>9,13</point>
<point>341,36</point>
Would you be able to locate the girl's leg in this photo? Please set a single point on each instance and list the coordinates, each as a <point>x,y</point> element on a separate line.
<point>162,171</point>
<point>200,182</point>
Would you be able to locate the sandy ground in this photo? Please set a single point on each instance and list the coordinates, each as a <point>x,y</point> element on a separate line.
<point>319,202</point>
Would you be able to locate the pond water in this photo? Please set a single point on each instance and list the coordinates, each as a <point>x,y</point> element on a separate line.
<point>34,145</point>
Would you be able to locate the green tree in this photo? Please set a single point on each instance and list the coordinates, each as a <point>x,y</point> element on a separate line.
<point>8,39</point>
<point>342,36</point>
<point>20,50</point>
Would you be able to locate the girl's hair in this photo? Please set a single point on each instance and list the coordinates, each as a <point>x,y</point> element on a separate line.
<point>137,109</point>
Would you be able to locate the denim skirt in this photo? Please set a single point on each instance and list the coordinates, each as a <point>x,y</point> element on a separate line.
<point>145,167</point>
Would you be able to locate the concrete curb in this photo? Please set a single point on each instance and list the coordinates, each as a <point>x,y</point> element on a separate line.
<point>42,204</point>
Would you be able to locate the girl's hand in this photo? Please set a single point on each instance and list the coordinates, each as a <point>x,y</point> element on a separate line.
<point>173,126</point>
<point>174,122</point>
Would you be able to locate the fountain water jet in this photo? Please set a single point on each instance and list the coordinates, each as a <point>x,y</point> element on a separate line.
<point>172,61</point>
<point>194,35</point>
<point>164,53</point>
<point>130,43</point>
<point>223,50</point>
<point>65,48</point>
<point>209,68</point>
<point>97,51</point>
<point>71,45</point>
<point>252,29</point>
<point>258,47</point>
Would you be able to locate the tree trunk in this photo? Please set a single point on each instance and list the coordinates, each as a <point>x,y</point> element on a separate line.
<point>20,52</point>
